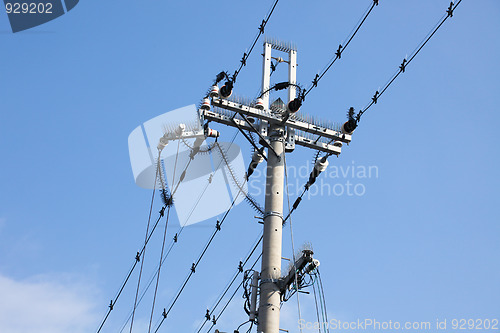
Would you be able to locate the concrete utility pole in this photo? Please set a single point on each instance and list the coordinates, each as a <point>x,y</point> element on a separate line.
<point>269,310</point>
<point>279,129</point>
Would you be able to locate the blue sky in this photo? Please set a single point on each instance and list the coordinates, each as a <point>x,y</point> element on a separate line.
<point>422,242</point>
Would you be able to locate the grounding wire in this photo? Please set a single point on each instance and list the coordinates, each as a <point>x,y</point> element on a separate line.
<point>291,236</point>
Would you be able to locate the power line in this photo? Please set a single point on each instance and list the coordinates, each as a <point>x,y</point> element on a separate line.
<point>138,255</point>
<point>196,263</point>
<point>145,239</point>
<point>228,286</point>
<point>341,48</point>
<point>262,26</point>
<point>405,63</point>
<point>164,238</point>
<point>167,203</point>
<point>177,235</point>
<point>214,322</point>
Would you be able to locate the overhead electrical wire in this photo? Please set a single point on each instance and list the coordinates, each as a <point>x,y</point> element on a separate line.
<point>163,243</point>
<point>177,235</point>
<point>137,257</point>
<point>145,239</point>
<point>341,48</point>
<point>214,322</point>
<point>221,296</point>
<point>262,27</point>
<point>406,62</point>
<point>318,77</point>
<point>167,203</point>
<point>196,263</point>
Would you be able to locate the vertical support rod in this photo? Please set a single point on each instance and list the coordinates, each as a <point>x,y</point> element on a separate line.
<point>292,74</point>
<point>269,306</point>
<point>266,83</point>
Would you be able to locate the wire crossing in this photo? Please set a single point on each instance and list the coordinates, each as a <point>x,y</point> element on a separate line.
<point>137,259</point>
<point>218,226</point>
<point>241,266</point>
<point>405,63</point>
<point>215,319</point>
<point>341,48</point>
<point>167,203</point>
<point>145,239</point>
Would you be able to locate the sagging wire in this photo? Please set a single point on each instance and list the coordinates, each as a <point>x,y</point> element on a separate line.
<point>317,307</point>
<point>341,48</point>
<point>402,67</point>
<point>320,301</point>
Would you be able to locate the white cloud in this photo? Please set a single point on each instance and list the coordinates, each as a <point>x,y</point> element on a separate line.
<point>46,305</point>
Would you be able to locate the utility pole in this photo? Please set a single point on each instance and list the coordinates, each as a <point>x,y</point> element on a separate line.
<point>279,128</point>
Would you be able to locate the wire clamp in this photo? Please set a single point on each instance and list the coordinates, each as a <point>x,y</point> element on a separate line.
<point>450,10</point>
<point>402,67</point>
<point>262,26</point>
<point>244,59</point>
<point>271,213</point>
<point>315,81</point>
<point>338,54</point>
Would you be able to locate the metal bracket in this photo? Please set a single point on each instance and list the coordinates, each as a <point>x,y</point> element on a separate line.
<point>271,213</point>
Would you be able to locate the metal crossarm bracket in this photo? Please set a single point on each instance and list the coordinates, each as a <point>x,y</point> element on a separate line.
<point>299,139</point>
<point>292,123</point>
